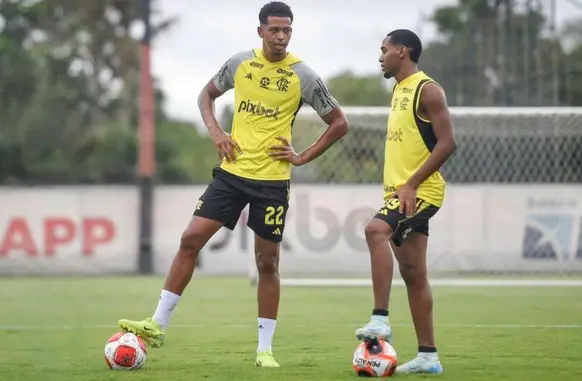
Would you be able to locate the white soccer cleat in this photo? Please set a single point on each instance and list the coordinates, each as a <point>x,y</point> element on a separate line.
<point>377,328</point>
<point>428,363</point>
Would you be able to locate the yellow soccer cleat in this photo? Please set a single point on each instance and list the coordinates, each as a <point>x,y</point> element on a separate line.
<point>266,360</point>
<point>148,329</point>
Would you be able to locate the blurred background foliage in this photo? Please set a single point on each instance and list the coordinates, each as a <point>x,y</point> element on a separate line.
<point>69,76</point>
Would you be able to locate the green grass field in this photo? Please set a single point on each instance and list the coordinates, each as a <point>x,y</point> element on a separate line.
<point>56,328</point>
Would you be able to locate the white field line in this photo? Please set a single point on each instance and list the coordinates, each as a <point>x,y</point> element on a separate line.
<point>302,326</point>
<point>322,282</point>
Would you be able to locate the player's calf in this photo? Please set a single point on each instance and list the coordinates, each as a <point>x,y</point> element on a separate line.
<point>268,295</point>
<point>378,233</point>
<point>420,301</point>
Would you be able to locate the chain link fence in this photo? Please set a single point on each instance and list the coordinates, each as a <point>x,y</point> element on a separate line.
<point>495,145</point>
<point>513,205</point>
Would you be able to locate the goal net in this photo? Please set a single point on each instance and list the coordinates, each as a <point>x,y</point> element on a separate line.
<point>513,205</point>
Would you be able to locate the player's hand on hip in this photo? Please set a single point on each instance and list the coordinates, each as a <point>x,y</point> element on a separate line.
<point>227,148</point>
<point>407,196</point>
<point>285,152</point>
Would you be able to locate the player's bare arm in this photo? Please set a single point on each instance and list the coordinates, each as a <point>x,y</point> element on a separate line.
<point>225,146</point>
<point>337,129</point>
<point>433,106</point>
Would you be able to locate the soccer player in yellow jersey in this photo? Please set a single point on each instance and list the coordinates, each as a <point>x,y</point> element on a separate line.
<point>270,86</point>
<point>420,139</point>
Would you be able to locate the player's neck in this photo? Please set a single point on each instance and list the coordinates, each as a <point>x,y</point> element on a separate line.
<point>401,76</point>
<point>272,57</point>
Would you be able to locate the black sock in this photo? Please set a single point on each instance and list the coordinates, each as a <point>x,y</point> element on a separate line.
<point>425,349</point>
<point>379,312</point>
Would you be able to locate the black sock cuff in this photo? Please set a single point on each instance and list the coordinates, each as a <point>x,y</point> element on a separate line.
<point>379,312</point>
<point>425,349</point>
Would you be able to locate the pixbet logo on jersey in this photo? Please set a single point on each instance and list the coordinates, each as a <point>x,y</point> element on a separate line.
<point>258,109</point>
<point>395,135</point>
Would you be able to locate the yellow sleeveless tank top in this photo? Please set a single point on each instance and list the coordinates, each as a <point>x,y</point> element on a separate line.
<point>409,142</point>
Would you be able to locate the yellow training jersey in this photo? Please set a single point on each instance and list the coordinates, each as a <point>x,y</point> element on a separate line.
<point>409,142</point>
<point>267,97</point>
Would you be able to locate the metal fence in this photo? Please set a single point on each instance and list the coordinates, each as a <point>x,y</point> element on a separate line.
<point>495,145</point>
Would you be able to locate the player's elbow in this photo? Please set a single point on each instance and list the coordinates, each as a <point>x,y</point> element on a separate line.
<point>448,145</point>
<point>207,96</point>
<point>203,98</point>
<point>341,127</point>
<point>452,145</point>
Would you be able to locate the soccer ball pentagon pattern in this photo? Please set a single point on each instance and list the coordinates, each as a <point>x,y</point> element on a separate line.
<point>125,351</point>
<point>375,359</point>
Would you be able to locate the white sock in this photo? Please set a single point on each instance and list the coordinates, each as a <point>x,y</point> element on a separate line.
<point>166,304</point>
<point>266,332</point>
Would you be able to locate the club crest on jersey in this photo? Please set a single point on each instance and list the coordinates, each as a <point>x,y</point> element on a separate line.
<point>258,109</point>
<point>283,84</point>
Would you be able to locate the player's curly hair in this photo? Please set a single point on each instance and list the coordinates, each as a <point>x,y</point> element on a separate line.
<point>274,8</point>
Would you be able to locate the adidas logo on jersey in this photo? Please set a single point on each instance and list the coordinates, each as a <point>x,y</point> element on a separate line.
<point>258,109</point>
<point>277,231</point>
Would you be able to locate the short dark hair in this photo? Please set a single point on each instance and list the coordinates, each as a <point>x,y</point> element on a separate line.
<point>274,8</point>
<point>408,39</point>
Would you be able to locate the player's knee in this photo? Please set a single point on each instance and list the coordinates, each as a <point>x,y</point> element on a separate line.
<point>413,276</point>
<point>266,262</point>
<point>191,243</point>
<point>377,229</point>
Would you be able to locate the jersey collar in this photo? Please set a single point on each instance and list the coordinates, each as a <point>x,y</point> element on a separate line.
<point>289,60</point>
<point>419,73</point>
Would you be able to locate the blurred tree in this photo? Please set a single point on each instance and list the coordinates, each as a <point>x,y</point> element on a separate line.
<point>497,53</point>
<point>226,118</point>
<point>185,156</point>
<point>95,39</point>
<point>572,40</point>
<point>489,52</point>
<point>354,90</point>
<point>69,91</point>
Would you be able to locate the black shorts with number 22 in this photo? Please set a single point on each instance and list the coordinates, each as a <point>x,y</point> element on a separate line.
<point>227,195</point>
<point>402,225</point>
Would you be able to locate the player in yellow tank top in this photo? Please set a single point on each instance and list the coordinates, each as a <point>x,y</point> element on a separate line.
<point>410,141</point>
<point>419,140</point>
<point>270,85</point>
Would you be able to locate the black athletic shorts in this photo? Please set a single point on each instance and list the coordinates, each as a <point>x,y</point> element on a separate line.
<point>227,195</point>
<point>400,224</point>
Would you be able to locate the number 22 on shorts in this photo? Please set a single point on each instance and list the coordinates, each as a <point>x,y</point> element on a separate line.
<point>273,215</point>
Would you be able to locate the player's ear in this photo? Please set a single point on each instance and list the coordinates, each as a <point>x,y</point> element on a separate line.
<point>260,31</point>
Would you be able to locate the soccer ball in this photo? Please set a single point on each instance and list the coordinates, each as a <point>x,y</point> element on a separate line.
<point>125,351</point>
<point>375,359</point>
